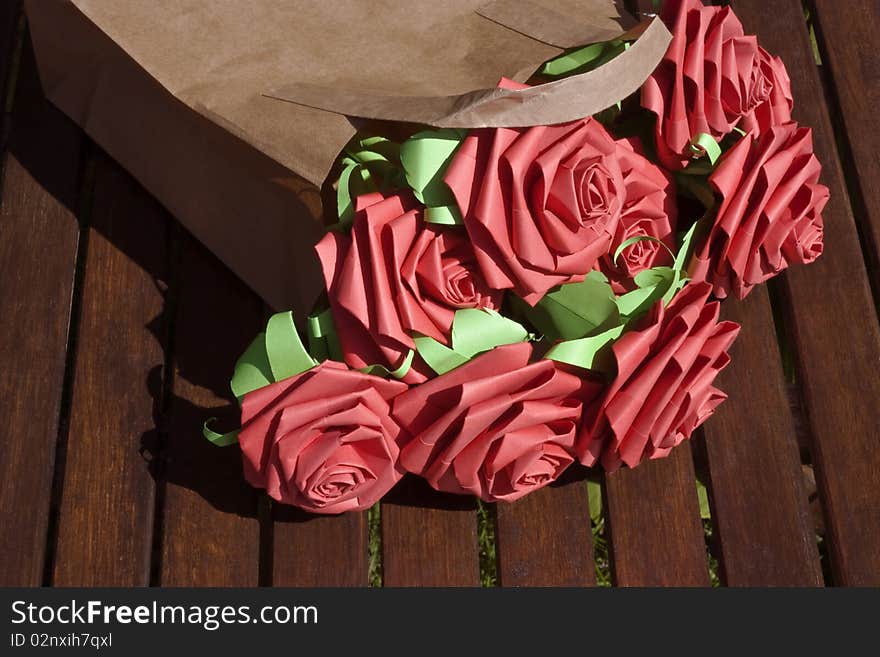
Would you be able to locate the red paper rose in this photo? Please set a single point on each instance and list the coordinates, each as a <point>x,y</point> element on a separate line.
<point>648,211</point>
<point>394,275</point>
<point>322,440</point>
<point>497,427</point>
<point>770,215</point>
<point>540,204</point>
<point>663,387</point>
<point>712,78</point>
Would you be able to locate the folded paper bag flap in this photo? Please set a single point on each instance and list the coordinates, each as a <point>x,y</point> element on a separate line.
<point>547,25</point>
<point>561,101</point>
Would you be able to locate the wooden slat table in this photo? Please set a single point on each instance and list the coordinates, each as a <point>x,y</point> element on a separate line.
<point>106,479</point>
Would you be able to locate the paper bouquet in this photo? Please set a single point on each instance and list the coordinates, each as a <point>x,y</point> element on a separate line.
<point>504,302</point>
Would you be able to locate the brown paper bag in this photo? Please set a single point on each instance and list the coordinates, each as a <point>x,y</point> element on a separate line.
<point>232,113</point>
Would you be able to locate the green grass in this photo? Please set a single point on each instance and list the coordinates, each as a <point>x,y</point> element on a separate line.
<point>486,541</point>
<point>374,546</point>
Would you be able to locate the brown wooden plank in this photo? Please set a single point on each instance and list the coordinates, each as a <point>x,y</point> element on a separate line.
<point>851,42</point>
<point>759,505</point>
<point>834,325</point>
<point>653,517</point>
<point>38,245</point>
<point>106,514</point>
<point>543,539</point>
<point>312,550</point>
<point>10,11</point>
<point>428,538</point>
<point>211,532</point>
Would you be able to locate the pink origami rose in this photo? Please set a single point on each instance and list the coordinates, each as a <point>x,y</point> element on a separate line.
<point>712,78</point>
<point>323,440</point>
<point>770,215</point>
<point>540,204</point>
<point>396,275</point>
<point>663,388</point>
<point>497,427</point>
<point>649,210</point>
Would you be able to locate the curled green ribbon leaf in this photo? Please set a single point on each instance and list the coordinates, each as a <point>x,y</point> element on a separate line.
<point>474,331</point>
<point>639,238</point>
<point>219,439</point>
<point>323,341</point>
<point>384,372</point>
<point>706,144</point>
<point>424,158</point>
<point>369,164</point>
<point>274,355</point>
<point>287,354</point>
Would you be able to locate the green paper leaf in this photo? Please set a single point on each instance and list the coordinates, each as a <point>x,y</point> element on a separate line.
<point>370,164</point>
<point>633,305</point>
<point>474,331</point>
<point>399,373</point>
<point>447,215</point>
<point>594,496</point>
<point>284,348</point>
<point>575,310</point>
<point>219,439</point>
<point>590,353</point>
<point>684,251</point>
<point>706,144</point>
<point>321,333</point>
<point>252,370</point>
<point>424,158</point>
<point>654,276</point>
<point>634,240</point>
<point>437,355</point>
<point>274,355</point>
<point>584,59</point>
<point>571,61</point>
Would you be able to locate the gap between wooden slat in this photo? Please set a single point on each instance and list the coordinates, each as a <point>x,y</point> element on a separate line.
<point>169,318</point>
<point>780,305</point>
<point>83,214</point>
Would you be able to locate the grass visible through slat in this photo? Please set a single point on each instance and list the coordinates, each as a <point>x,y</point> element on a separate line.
<point>374,544</point>
<point>486,542</point>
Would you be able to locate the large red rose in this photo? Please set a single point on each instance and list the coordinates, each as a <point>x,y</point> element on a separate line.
<point>770,215</point>
<point>497,427</point>
<point>649,210</point>
<point>540,204</point>
<point>663,388</point>
<point>323,440</point>
<point>712,78</point>
<point>396,275</point>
